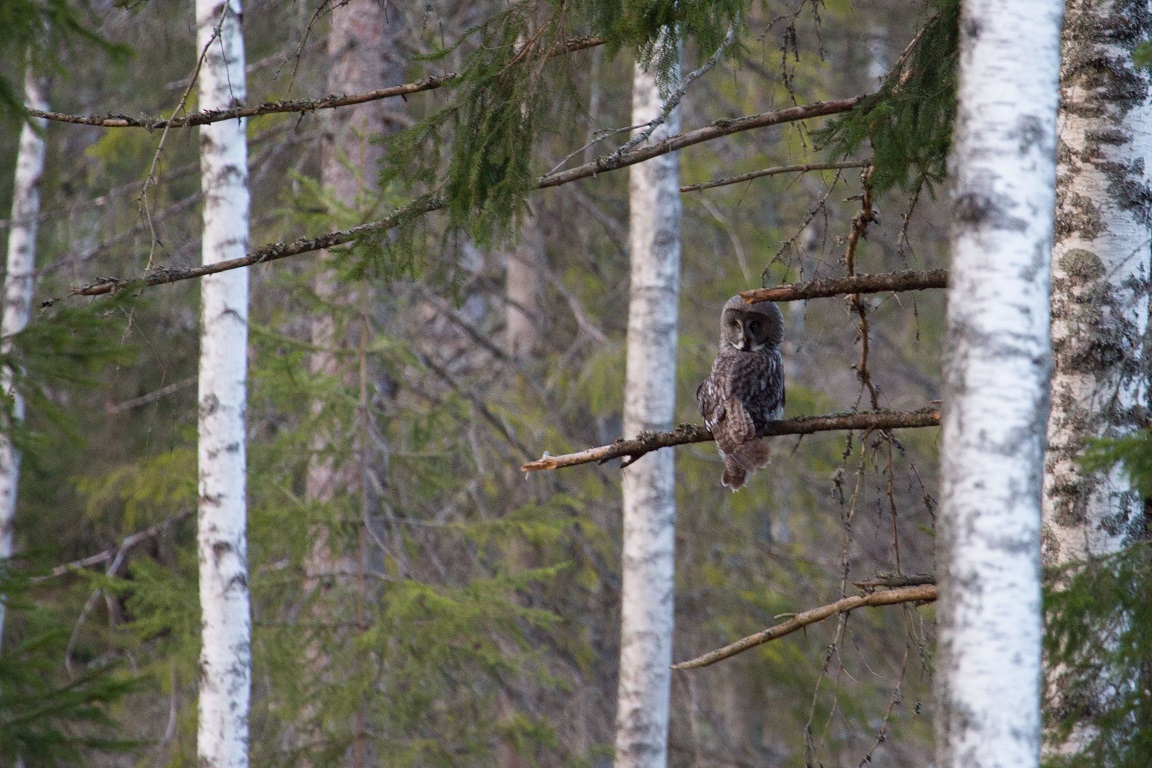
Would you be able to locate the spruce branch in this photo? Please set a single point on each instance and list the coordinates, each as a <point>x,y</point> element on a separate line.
<point>921,593</point>
<point>647,442</point>
<point>428,203</point>
<point>116,120</point>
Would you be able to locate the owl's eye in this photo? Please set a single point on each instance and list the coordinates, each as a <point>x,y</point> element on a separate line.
<point>754,326</point>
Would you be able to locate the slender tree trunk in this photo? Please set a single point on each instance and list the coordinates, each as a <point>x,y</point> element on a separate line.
<point>649,484</point>
<point>1100,272</point>
<point>18,295</point>
<point>361,57</point>
<point>226,652</point>
<point>996,385</point>
<point>524,285</point>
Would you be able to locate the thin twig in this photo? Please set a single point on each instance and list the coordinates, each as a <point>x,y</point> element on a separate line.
<point>924,593</point>
<point>697,433</point>
<point>804,168</point>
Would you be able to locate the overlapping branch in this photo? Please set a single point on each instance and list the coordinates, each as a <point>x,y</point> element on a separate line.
<point>281,106</point>
<point>428,203</point>
<point>921,593</point>
<point>695,433</point>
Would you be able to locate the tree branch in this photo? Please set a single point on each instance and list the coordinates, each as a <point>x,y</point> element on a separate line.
<point>923,593</point>
<point>696,433</point>
<point>273,107</point>
<point>805,168</point>
<point>428,203</point>
<point>835,286</point>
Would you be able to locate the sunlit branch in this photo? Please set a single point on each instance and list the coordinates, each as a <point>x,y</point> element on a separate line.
<point>696,433</point>
<point>881,282</point>
<point>923,593</point>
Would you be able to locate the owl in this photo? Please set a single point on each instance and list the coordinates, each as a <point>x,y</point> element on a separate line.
<point>745,390</point>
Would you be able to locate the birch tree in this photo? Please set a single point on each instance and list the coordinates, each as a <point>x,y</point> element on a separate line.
<point>1100,265</point>
<point>996,385</point>
<point>226,653</point>
<point>18,279</point>
<point>649,485</point>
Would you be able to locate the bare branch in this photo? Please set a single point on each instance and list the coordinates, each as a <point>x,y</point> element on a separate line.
<point>805,168</point>
<point>696,433</point>
<point>714,131</point>
<point>428,203</point>
<point>923,593</point>
<point>116,554</point>
<point>274,107</point>
<point>881,282</point>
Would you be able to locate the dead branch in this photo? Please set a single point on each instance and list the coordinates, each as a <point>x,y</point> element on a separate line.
<point>282,106</point>
<point>428,203</point>
<point>714,131</point>
<point>923,593</point>
<point>880,282</point>
<point>804,168</point>
<point>696,433</point>
<point>116,554</point>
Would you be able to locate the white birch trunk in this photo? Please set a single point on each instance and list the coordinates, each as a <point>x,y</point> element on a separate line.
<point>996,385</point>
<point>18,295</point>
<point>1100,265</point>
<point>649,484</point>
<point>226,653</point>
<point>1100,271</point>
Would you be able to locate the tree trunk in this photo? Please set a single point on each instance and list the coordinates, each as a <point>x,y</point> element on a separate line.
<point>1100,266</point>
<point>1100,270</point>
<point>649,484</point>
<point>524,287</point>
<point>226,653</point>
<point>18,281</point>
<point>996,385</point>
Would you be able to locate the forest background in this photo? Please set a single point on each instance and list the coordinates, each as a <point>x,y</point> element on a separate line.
<point>417,598</point>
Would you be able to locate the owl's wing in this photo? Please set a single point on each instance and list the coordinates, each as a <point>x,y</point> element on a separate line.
<point>724,413</point>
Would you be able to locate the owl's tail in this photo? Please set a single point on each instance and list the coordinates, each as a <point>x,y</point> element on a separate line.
<point>746,459</point>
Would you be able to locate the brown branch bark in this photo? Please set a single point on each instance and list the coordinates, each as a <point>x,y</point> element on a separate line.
<point>273,107</point>
<point>113,553</point>
<point>923,593</point>
<point>429,203</point>
<point>695,433</point>
<point>837,286</point>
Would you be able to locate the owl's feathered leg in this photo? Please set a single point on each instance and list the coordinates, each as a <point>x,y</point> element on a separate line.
<point>747,458</point>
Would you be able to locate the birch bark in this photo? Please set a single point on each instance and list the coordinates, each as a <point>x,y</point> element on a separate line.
<point>1100,272</point>
<point>226,653</point>
<point>996,385</point>
<point>649,484</point>
<point>1100,265</point>
<point>18,280</point>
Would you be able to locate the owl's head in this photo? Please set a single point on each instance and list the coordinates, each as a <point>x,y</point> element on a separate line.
<point>750,327</point>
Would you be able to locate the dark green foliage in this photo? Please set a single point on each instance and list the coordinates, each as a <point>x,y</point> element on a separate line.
<point>1132,452</point>
<point>908,122</point>
<point>1099,633</point>
<point>48,718</point>
<point>507,94</point>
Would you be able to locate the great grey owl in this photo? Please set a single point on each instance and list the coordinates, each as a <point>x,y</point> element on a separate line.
<point>745,390</point>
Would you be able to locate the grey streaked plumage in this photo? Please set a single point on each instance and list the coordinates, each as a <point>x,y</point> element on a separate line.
<point>745,390</point>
